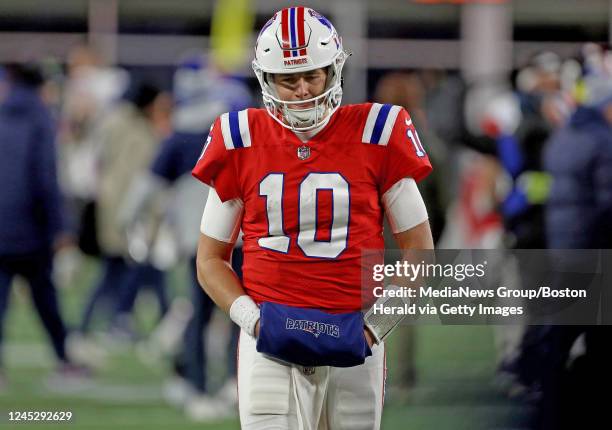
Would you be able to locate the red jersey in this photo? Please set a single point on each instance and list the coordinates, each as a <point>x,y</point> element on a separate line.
<point>310,209</point>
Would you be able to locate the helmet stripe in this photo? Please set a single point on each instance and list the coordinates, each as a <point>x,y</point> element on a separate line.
<point>293,35</point>
<point>300,23</point>
<point>285,32</point>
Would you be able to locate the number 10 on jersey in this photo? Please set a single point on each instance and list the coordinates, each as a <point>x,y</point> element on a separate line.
<point>272,186</point>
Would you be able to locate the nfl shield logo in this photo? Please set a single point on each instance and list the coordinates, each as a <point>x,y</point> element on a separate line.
<point>303,152</point>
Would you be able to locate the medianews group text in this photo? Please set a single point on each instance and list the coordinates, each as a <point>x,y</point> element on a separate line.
<point>541,292</point>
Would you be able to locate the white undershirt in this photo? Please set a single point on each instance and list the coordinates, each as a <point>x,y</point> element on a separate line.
<point>403,205</point>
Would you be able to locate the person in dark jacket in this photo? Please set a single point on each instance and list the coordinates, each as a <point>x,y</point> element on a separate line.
<point>31,224</point>
<point>579,216</point>
<point>201,93</point>
<point>543,108</point>
<point>579,157</point>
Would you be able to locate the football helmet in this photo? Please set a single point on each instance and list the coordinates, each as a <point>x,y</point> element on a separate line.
<point>295,40</point>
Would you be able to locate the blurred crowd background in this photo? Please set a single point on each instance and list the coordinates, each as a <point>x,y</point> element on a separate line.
<point>105,106</point>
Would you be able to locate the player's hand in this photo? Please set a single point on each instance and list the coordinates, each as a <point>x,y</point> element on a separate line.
<point>366,332</point>
<point>256,329</point>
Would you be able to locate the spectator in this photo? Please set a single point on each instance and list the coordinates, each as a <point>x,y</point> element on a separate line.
<point>578,216</point>
<point>127,141</point>
<point>531,115</point>
<point>31,222</point>
<point>91,89</point>
<point>407,90</point>
<point>520,152</point>
<point>201,94</point>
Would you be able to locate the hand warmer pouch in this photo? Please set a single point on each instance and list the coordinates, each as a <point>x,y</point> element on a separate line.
<point>310,337</point>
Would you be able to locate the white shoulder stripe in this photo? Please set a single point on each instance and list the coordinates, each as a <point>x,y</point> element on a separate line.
<point>369,125</point>
<point>379,124</point>
<point>245,132</point>
<point>225,130</point>
<point>386,134</point>
<point>235,129</point>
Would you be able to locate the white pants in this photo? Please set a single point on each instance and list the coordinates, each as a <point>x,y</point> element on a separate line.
<point>274,395</point>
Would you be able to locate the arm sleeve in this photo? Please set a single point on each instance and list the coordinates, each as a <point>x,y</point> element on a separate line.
<point>215,166</point>
<point>404,205</point>
<point>405,156</point>
<point>221,221</point>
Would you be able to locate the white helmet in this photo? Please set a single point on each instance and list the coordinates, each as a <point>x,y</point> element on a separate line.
<point>294,40</point>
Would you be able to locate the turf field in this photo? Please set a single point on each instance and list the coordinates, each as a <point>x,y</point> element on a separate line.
<point>454,390</point>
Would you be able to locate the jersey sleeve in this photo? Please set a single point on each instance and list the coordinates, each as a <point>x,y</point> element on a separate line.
<point>405,156</point>
<point>215,167</point>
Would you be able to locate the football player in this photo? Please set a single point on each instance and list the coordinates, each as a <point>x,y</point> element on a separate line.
<point>308,182</point>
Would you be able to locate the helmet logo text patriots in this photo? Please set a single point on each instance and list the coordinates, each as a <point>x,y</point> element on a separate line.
<point>296,61</point>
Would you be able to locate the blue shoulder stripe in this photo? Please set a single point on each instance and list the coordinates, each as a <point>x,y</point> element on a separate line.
<point>383,114</point>
<point>235,129</point>
<point>379,124</point>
